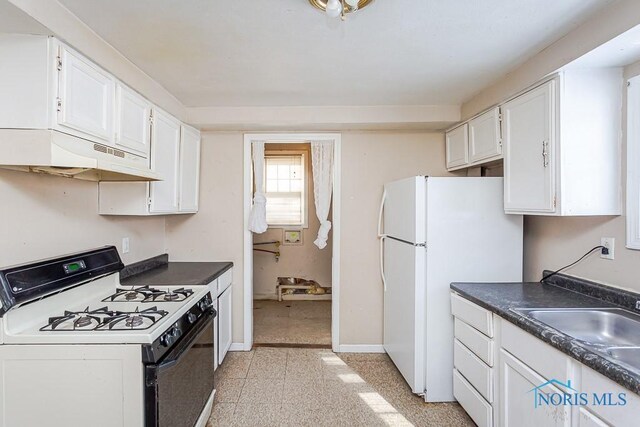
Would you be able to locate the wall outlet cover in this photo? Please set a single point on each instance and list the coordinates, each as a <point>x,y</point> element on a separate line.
<point>125,245</point>
<point>609,243</point>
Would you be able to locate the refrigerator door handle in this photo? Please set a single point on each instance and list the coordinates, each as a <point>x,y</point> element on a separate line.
<point>384,280</point>
<point>384,197</point>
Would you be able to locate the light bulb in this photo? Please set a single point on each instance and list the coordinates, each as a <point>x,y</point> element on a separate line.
<point>334,8</point>
<point>352,3</point>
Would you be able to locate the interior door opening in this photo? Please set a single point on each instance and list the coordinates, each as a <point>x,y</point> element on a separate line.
<point>291,275</point>
<point>291,285</point>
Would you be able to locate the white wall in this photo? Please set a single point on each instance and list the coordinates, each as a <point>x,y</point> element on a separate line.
<point>369,159</point>
<point>43,216</point>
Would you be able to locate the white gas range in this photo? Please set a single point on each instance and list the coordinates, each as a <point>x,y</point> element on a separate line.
<point>86,351</point>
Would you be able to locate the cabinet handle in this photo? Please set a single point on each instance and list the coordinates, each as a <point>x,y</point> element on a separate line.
<point>545,153</point>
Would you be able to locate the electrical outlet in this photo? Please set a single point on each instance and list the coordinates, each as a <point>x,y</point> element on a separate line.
<point>125,245</point>
<point>609,243</point>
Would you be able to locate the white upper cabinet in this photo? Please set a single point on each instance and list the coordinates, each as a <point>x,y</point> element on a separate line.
<point>529,137</point>
<point>561,144</point>
<point>484,136</point>
<point>457,147</point>
<point>85,96</point>
<point>165,160</point>
<point>189,169</point>
<point>175,156</point>
<point>133,122</point>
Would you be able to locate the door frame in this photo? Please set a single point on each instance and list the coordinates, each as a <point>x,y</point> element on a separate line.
<point>291,138</point>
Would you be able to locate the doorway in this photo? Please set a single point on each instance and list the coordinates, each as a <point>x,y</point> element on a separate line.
<point>291,288</point>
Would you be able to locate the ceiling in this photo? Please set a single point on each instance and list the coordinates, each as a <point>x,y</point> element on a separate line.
<point>286,53</point>
<point>14,20</point>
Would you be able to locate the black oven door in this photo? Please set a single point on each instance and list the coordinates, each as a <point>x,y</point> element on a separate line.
<point>178,386</point>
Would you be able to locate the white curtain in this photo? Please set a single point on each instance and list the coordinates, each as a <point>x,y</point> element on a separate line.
<point>258,216</point>
<point>322,163</point>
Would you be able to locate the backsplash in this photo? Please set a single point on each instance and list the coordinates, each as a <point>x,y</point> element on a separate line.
<point>617,296</point>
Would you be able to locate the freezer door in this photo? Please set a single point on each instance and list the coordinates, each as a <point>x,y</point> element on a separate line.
<point>404,310</point>
<point>405,209</point>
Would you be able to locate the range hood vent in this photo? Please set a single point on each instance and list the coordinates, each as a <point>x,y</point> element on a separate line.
<point>56,153</point>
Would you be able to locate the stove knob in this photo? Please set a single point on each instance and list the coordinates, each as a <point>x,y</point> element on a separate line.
<point>191,318</point>
<point>176,332</point>
<point>166,340</point>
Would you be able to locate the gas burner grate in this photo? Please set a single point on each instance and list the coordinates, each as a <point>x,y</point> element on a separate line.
<point>86,320</point>
<point>132,320</point>
<point>148,294</point>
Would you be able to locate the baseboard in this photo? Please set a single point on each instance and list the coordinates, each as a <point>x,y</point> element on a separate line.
<point>265,297</point>
<point>361,348</point>
<point>236,346</point>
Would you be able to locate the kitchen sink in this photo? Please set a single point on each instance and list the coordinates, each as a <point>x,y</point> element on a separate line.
<point>612,332</point>
<point>610,326</point>
<point>627,355</point>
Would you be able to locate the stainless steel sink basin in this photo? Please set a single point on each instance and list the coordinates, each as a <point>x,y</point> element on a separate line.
<point>627,355</point>
<point>612,332</point>
<point>609,326</point>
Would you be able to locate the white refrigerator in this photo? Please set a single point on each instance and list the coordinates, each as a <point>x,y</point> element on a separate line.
<point>434,231</point>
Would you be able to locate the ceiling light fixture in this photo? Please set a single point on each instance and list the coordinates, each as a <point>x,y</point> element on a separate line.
<point>341,8</point>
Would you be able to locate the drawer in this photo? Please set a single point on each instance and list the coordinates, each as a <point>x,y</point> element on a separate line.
<point>472,314</point>
<point>617,415</point>
<point>535,353</point>
<point>474,370</point>
<point>225,280</point>
<point>481,345</point>
<point>478,409</point>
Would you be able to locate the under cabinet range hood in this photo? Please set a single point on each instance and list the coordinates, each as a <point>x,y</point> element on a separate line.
<point>56,153</point>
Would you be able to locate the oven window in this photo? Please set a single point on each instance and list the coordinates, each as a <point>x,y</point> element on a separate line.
<point>183,388</point>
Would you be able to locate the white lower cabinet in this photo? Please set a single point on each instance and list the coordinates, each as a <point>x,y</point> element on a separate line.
<point>473,360</point>
<point>518,393</point>
<point>224,323</point>
<point>507,379</point>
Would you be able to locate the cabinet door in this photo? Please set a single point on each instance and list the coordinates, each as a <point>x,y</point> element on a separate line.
<point>85,97</point>
<point>133,125</point>
<point>457,146</point>
<point>529,147</point>
<point>518,384</point>
<point>224,323</point>
<point>165,160</point>
<point>484,136</point>
<point>189,169</point>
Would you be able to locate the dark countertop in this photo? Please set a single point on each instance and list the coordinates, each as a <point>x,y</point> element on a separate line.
<point>160,272</point>
<point>500,298</point>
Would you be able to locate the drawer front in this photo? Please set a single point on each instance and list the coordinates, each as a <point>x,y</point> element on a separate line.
<point>472,314</point>
<point>213,288</point>
<point>535,353</point>
<point>225,280</point>
<point>478,409</point>
<point>617,415</point>
<point>474,370</point>
<point>481,345</point>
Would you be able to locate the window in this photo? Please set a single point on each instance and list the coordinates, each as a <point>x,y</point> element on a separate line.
<point>633,163</point>
<point>286,188</point>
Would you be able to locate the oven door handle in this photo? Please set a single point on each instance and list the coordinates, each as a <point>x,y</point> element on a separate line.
<point>186,342</point>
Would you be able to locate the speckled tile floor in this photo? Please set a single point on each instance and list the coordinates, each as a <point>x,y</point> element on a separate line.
<point>292,322</point>
<point>311,387</point>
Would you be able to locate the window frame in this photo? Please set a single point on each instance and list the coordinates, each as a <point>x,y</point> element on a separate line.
<point>305,185</point>
<point>633,164</point>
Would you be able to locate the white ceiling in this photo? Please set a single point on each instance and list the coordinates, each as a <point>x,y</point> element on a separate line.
<point>14,20</point>
<point>285,53</point>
